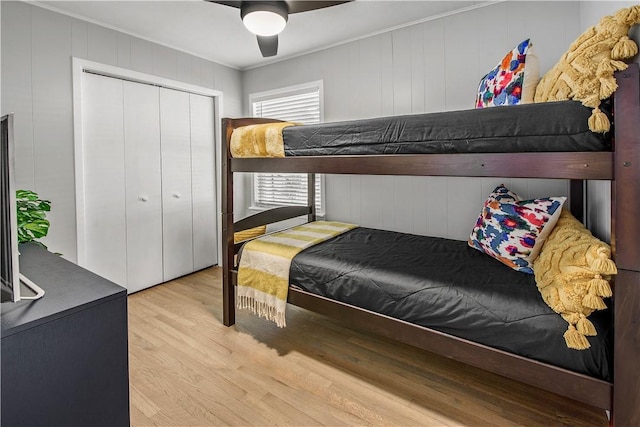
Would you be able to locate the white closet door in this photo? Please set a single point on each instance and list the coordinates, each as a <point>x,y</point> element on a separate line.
<point>143,185</point>
<point>203,185</point>
<point>175,137</point>
<point>104,243</point>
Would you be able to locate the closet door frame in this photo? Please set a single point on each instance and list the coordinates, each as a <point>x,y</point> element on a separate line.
<point>80,66</point>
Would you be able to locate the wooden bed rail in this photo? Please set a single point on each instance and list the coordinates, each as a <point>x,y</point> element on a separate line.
<point>503,363</point>
<point>271,216</point>
<point>586,165</point>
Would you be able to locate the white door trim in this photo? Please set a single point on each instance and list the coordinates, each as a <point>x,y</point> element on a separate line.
<point>79,66</point>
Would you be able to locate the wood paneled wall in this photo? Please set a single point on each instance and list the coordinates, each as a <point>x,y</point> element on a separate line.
<point>431,66</point>
<point>37,46</point>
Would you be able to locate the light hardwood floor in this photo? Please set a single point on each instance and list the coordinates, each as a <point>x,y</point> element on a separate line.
<point>187,369</point>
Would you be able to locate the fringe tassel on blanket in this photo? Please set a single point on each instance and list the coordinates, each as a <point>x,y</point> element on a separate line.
<point>262,309</point>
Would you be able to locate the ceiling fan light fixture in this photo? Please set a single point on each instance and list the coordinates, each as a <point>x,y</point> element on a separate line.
<point>264,18</point>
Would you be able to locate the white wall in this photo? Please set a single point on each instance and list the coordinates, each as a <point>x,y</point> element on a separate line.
<point>431,66</point>
<point>37,46</point>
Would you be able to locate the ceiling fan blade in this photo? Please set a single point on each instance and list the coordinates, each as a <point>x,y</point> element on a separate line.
<point>268,45</point>
<point>295,6</point>
<point>235,4</point>
<point>304,5</point>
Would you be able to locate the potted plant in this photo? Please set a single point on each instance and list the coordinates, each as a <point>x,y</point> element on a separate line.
<point>32,217</point>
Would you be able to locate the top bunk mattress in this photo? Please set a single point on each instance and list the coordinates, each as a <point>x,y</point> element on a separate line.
<point>542,127</point>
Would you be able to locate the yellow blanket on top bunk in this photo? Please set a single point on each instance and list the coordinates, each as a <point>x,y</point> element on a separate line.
<point>262,140</point>
<point>263,273</point>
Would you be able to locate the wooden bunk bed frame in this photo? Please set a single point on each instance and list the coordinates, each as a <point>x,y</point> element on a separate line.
<point>620,166</point>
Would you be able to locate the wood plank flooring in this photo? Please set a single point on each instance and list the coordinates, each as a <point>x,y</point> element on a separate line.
<point>187,369</point>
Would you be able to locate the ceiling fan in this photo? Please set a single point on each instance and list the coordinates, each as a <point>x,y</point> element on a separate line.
<point>266,19</point>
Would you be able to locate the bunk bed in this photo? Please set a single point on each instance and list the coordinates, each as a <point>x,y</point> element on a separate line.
<point>617,163</point>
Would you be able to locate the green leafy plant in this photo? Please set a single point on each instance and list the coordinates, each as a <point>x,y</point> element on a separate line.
<point>32,217</point>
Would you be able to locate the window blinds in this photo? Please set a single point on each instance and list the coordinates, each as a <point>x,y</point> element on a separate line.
<point>285,189</point>
<point>302,107</point>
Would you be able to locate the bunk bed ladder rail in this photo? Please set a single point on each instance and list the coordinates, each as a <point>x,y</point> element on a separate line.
<point>228,252</point>
<point>229,227</point>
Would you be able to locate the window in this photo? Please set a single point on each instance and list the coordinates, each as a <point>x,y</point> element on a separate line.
<point>298,104</point>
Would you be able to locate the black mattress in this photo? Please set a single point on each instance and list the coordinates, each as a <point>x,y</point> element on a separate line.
<point>447,286</point>
<point>550,126</point>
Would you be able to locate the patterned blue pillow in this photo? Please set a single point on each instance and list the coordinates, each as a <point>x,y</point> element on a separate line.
<point>512,230</point>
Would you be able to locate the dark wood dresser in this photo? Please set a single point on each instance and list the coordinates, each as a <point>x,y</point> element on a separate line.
<point>64,357</point>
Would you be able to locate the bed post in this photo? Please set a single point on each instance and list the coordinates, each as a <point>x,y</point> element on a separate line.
<point>625,239</point>
<point>576,198</point>
<point>228,290</point>
<point>311,196</point>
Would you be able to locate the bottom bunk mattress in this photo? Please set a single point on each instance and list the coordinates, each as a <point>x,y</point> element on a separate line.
<point>445,285</point>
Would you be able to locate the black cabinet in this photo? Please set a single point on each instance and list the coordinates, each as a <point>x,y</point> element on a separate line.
<point>64,357</point>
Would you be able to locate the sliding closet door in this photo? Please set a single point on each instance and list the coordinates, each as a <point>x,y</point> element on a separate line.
<point>143,185</point>
<point>147,191</point>
<point>175,141</point>
<point>105,245</point>
<point>205,252</point>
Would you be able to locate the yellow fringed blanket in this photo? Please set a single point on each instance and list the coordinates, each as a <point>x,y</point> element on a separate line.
<point>263,140</point>
<point>263,273</point>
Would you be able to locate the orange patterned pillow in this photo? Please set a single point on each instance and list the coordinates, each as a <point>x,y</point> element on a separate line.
<point>513,81</point>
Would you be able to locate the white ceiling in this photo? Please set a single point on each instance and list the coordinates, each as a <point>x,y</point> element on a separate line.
<point>216,33</point>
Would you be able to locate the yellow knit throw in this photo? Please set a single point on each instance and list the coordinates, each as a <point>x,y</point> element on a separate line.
<point>585,72</point>
<point>573,272</point>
